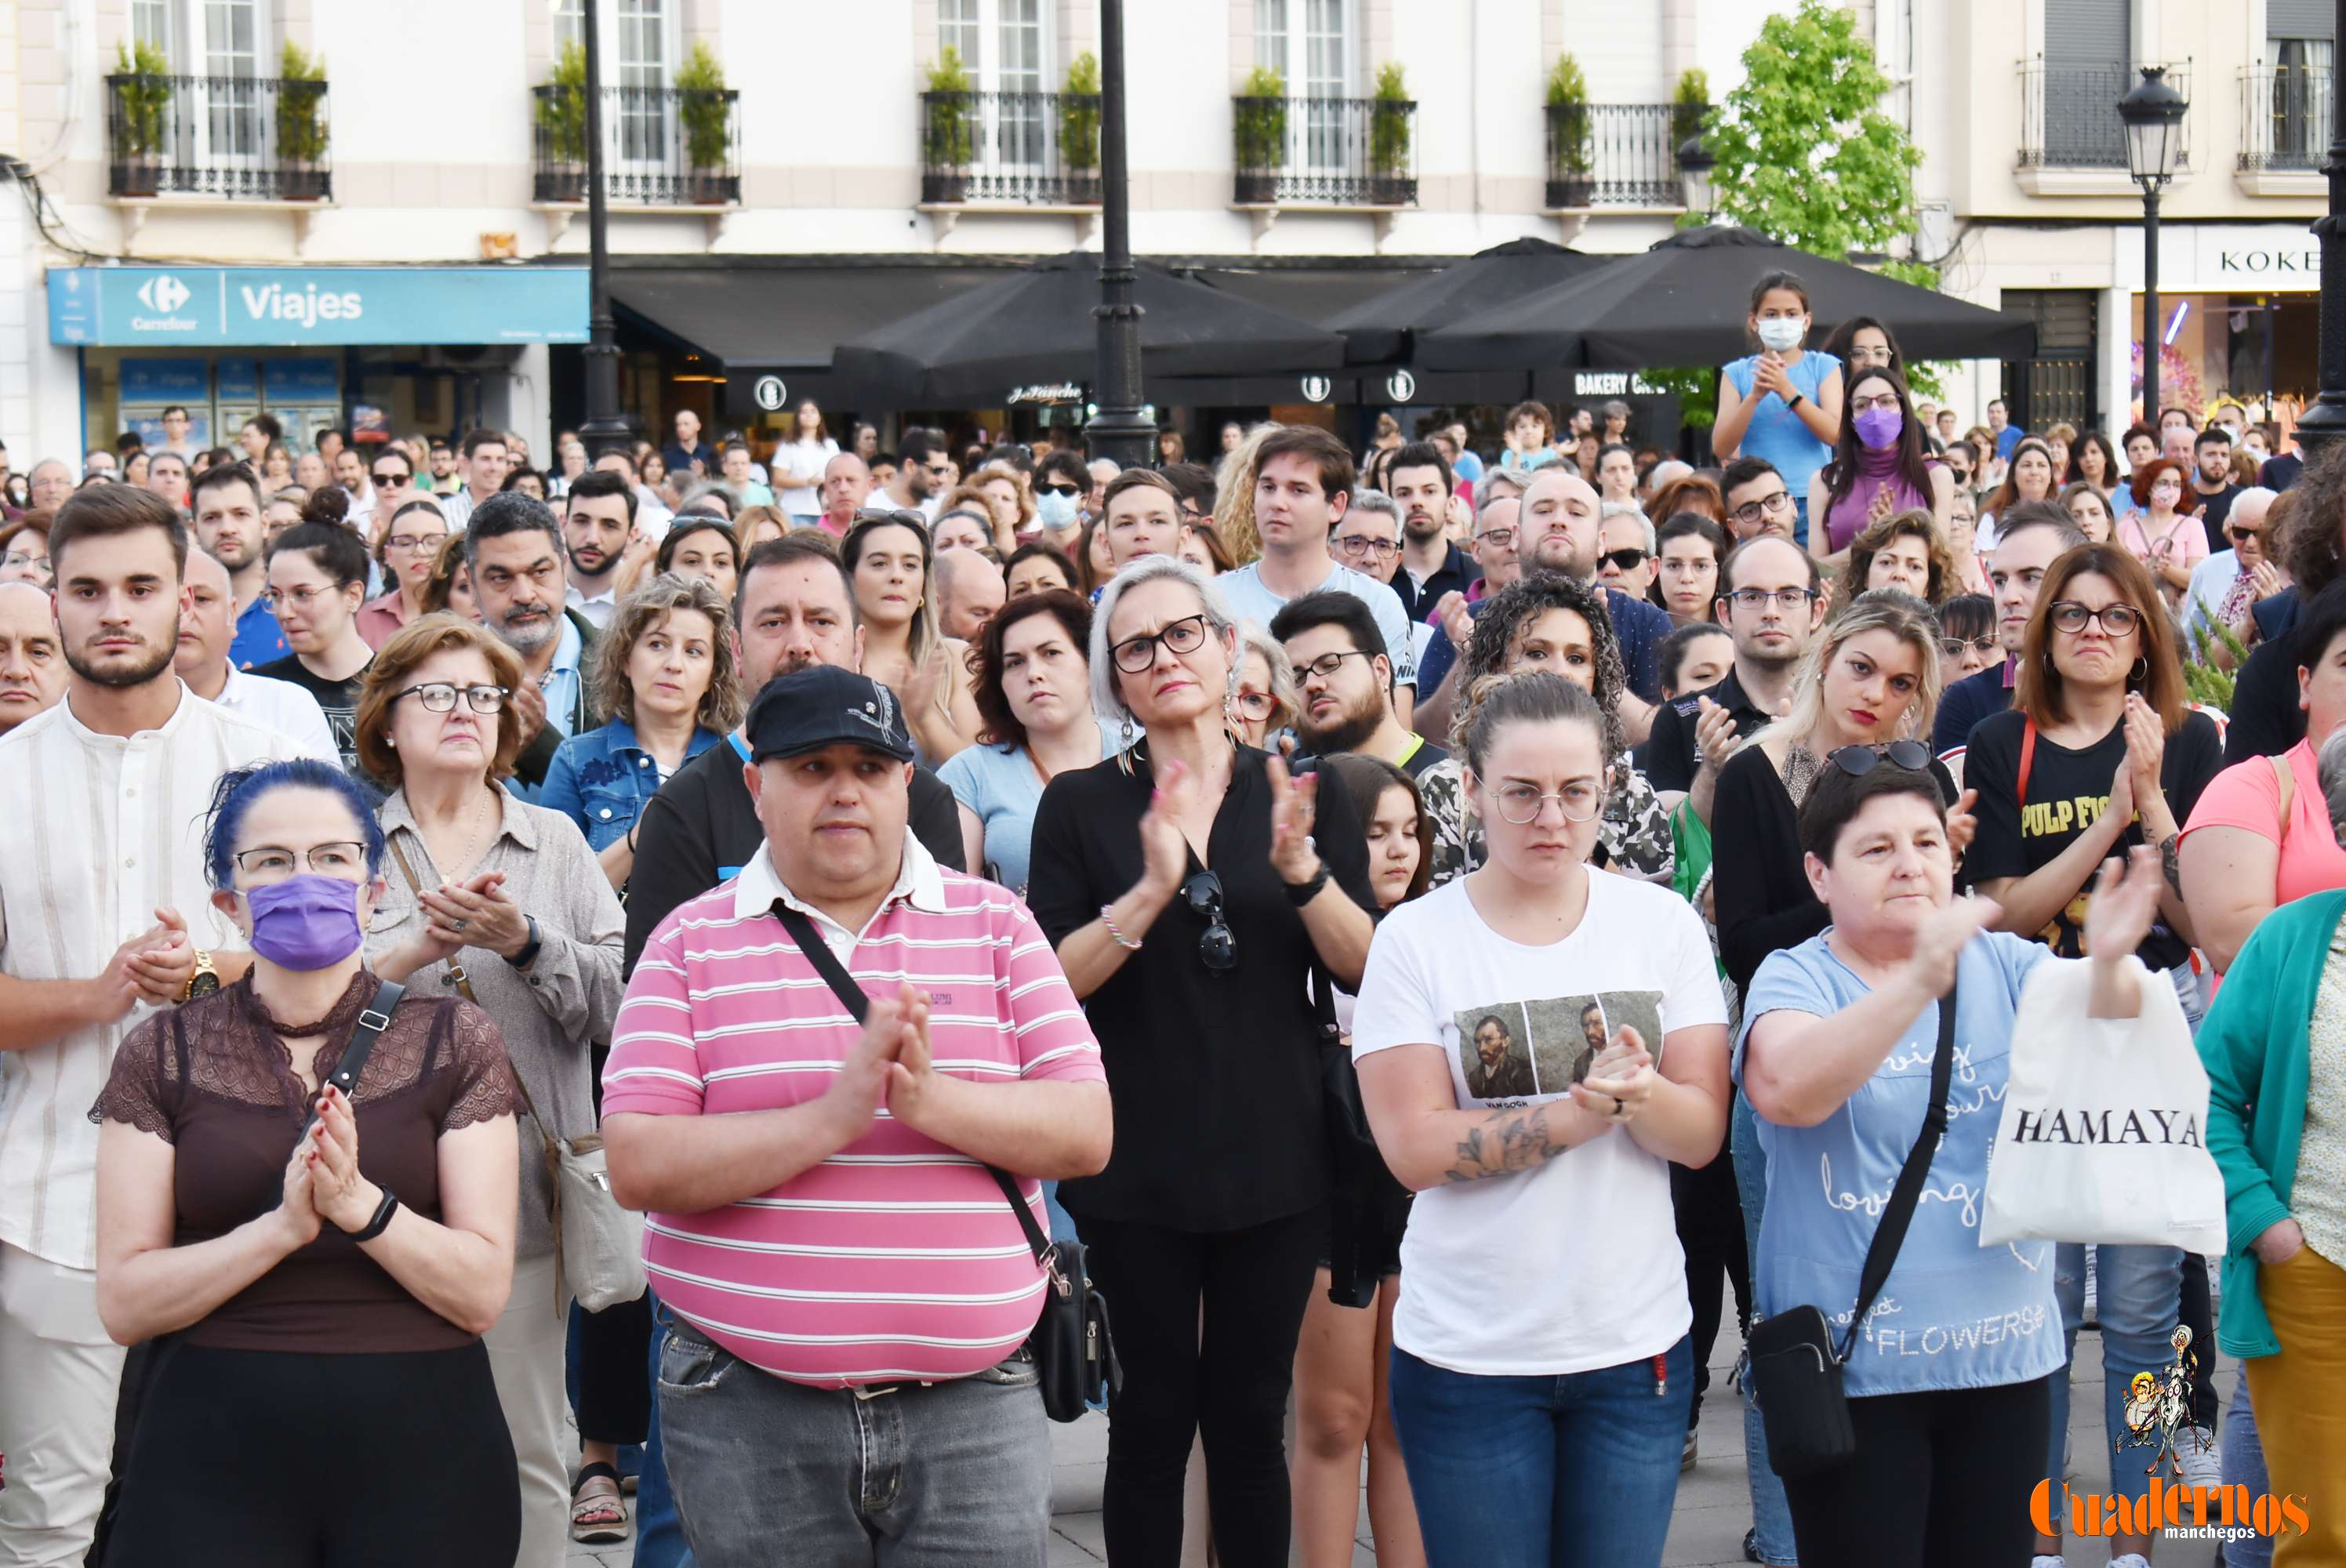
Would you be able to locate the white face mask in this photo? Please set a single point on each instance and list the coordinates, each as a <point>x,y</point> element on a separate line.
<point>1782,332</point>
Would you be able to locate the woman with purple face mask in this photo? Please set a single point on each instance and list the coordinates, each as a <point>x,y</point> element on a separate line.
<point>324,1254</point>
<point>1878,467</point>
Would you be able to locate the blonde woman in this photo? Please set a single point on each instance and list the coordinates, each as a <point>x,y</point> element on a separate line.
<point>1234,496</point>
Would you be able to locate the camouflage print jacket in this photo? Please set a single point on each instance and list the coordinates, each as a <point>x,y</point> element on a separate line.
<point>1635,831</point>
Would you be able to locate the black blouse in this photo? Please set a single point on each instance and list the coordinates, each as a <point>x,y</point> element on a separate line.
<point>1214,1075</point>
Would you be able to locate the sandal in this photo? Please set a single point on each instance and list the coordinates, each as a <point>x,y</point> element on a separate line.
<point>599,1517</point>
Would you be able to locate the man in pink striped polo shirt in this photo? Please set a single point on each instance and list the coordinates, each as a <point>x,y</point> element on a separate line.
<point>850,1292</point>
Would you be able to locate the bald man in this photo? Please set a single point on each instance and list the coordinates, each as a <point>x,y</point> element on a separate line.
<point>31,660</point>
<point>970,592</point>
<point>206,628</point>
<point>846,486</point>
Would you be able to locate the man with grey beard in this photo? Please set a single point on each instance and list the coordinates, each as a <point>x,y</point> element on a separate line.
<point>514,549</point>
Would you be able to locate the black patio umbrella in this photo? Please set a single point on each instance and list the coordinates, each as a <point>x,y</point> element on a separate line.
<point>1379,331</point>
<point>1036,326</point>
<point>1685,300</point>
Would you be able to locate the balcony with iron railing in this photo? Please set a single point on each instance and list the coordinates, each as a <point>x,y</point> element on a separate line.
<point>1617,154</point>
<point>1323,152</point>
<point>2072,141</point>
<point>1034,150</point>
<point>2285,113</point>
<point>662,146</point>
<point>231,137</point>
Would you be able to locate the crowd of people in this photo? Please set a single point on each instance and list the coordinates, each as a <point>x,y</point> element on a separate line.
<point>1416,925</point>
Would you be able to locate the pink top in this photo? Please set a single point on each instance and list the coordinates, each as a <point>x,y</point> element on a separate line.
<point>896,1257</point>
<point>2186,547</point>
<point>380,618</point>
<point>2248,795</point>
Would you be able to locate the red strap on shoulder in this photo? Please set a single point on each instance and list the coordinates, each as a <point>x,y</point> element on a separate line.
<point>2027,759</point>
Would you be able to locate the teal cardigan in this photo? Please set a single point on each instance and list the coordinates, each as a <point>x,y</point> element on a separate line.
<point>2253,1042</point>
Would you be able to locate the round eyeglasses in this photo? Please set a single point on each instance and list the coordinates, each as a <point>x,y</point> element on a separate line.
<point>1521,804</point>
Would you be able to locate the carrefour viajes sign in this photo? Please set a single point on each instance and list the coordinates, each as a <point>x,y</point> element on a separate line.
<point>266,306</point>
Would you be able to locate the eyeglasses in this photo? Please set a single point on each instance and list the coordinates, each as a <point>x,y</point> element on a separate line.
<point>18,561</point>
<point>1254,704</point>
<point>2239,534</point>
<point>440,696</point>
<point>1761,599</point>
<point>299,598</point>
<point>1359,545</point>
<point>1496,538</point>
<point>2114,620</point>
<point>1886,402</point>
<point>344,860</point>
<point>1955,647</point>
<point>1521,804</point>
<point>1627,560</point>
<point>1217,950</point>
<point>1857,761</point>
<point>1185,636</point>
<point>1326,666</point>
<point>412,543</point>
<point>1751,510</point>
<point>1059,488</point>
<point>392,481</point>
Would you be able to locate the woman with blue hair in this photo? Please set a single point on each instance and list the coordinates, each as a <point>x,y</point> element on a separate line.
<point>318,1264</point>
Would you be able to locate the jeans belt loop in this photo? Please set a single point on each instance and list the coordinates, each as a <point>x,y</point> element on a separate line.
<point>868,1392</point>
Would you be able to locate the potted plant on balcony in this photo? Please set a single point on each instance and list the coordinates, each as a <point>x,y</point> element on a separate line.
<point>1690,105</point>
<point>1260,122</point>
<point>1079,131</point>
<point>1389,181</point>
<point>704,109</point>
<point>142,99</point>
<point>948,140</point>
<point>1569,182</point>
<point>302,126</point>
<point>562,128</point>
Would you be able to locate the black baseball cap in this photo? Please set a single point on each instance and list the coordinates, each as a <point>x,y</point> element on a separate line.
<point>821,705</point>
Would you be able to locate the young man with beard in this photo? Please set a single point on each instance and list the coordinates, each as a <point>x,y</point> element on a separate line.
<point>227,504</point>
<point>514,549</point>
<point>599,521</point>
<point>1419,481</point>
<point>1345,682</point>
<point>102,802</point>
<point>921,464</point>
<point>2212,490</point>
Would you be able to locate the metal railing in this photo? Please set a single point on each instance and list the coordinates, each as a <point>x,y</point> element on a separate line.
<point>254,136</point>
<point>1344,152</point>
<point>2069,114</point>
<point>662,146</point>
<point>1616,155</point>
<point>1038,149</point>
<point>2285,117</point>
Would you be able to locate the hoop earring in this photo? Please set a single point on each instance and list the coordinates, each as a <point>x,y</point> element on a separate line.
<point>2140,673</point>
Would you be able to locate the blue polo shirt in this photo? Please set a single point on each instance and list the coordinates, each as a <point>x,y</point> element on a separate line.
<point>259,638</point>
<point>1639,627</point>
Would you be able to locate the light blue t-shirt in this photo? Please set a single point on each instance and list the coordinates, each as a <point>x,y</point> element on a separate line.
<point>1001,788</point>
<point>1250,599</point>
<point>1775,431</point>
<point>1952,1314</point>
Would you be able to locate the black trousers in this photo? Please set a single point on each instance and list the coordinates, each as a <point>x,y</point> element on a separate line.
<point>1252,1285</point>
<point>1710,1234</point>
<point>250,1457</point>
<point>615,1388</point>
<point>1940,1480</point>
<point>2199,1315</point>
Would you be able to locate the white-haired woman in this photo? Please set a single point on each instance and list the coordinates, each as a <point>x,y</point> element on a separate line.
<point>1193,891</point>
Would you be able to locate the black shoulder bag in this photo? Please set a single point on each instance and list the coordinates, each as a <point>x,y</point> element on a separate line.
<point>144,1363</point>
<point>1072,1348</point>
<point>1796,1369</point>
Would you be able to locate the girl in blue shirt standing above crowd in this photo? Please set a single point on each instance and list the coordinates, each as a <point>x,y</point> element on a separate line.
<point>1782,403</point>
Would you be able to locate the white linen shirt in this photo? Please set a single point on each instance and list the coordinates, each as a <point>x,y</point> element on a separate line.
<point>283,707</point>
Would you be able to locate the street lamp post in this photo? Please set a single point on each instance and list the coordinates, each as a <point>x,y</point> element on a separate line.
<point>1118,429</point>
<point>2325,421</point>
<point>2153,114</point>
<point>605,428</point>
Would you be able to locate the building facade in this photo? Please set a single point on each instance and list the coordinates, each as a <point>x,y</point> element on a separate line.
<point>203,176</point>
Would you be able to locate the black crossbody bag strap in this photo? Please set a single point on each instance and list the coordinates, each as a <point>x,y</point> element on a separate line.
<point>851,996</point>
<point>372,1020</point>
<point>1891,1234</point>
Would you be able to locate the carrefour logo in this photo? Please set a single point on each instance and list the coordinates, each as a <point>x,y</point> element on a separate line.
<point>163,292</point>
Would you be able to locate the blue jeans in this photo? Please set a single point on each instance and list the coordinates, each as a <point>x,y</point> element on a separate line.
<point>909,1475</point>
<point>1771,1515</point>
<point>1543,1471</point>
<point>2244,1465</point>
<point>660,1534</point>
<point>2137,1291</point>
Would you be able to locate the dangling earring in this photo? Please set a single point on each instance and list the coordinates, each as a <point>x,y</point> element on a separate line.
<point>1125,734</point>
<point>2140,672</point>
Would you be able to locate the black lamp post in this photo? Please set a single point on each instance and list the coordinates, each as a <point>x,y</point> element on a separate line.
<point>2325,421</point>
<point>2153,113</point>
<point>1695,164</point>
<point>605,428</point>
<point>1118,429</point>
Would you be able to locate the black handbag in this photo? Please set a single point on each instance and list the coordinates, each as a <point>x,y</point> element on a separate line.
<point>1796,1369</point>
<point>1073,1347</point>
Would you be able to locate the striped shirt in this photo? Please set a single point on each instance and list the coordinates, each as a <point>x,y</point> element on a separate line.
<point>897,1258</point>
<point>96,832</point>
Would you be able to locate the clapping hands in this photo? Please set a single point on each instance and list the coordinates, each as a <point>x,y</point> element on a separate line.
<point>889,1065</point>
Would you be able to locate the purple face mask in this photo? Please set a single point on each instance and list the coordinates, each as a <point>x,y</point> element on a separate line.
<point>306,921</point>
<point>1880,428</point>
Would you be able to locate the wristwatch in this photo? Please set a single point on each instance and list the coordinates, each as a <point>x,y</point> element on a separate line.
<point>382,1213</point>
<point>528,948</point>
<point>204,981</point>
<point>1797,400</point>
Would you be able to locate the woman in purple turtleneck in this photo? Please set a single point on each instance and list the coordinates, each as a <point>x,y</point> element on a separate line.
<point>1878,467</point>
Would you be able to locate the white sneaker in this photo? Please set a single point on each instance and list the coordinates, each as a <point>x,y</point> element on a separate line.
<point>2131,1560</point>
<point>2041,1560</point>
<point>2202,1463</point>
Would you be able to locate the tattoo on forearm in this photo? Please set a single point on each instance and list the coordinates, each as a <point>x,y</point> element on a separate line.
<point>1509,1141</point>
<point>2170,850</point>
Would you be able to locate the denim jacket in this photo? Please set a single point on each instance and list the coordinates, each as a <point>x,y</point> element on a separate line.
<point>601,778</point>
